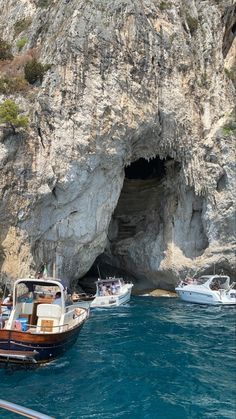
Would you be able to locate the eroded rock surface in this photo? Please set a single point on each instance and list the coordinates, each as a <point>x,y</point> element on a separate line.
<point>128,80</point>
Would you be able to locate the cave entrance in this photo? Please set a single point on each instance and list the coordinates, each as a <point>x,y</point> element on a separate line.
<point>140,206</point>
<point>154,215</point>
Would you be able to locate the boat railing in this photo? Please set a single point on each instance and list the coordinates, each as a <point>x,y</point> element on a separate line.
<point>23,411</point>
<point>33,326</point>
<point>83,314</point>
<point>231,286</point>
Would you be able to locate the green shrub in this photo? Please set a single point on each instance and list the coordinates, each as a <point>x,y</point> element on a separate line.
<point>21,25</point>
<point>231,74</point>
<point>229,128</point>
<point>47,67</point>
<point>192,23</point>
<point>34,71</point>
<point>10,85</point>
<point>10,115</point>
<point>164,5</point>
<point>43,3</point>
<point>21,43</point>
<point>5,50</point>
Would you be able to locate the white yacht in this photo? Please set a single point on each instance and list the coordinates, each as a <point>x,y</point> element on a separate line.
<point>111,292</point>
<point>208,289</point>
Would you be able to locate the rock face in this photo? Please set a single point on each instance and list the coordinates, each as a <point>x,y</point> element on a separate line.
<point>129,80</point>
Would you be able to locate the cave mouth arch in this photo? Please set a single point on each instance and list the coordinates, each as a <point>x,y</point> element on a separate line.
<point>140,204</point>
<point>153,212</point>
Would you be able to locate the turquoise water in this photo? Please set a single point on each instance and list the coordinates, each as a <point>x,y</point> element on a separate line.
<point>153,358</point>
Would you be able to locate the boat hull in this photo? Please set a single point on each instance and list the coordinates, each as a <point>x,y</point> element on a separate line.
<point>192,296</point>
<point>32,348</point>
<point>112,300</point>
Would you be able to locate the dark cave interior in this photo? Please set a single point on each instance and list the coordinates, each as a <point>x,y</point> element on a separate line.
<point>146,169</point>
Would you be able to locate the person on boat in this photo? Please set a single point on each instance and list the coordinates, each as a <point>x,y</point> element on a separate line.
<point>117,288</point>
<point>113,288</point>
<point>104,289</point>
<point>108,292</point>
<point>8,301</point>
<point>58,298</point>
<point>215,285</point>
<point>40,272</point>
<point>27,297</point>
<point>2,321</point>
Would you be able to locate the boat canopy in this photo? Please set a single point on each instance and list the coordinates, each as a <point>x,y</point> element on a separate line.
<point>27,289</point>
<point>109,280</point>
<point>219,280</point>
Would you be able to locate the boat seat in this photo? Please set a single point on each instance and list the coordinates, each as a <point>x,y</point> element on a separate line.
<point>49,310</point>
<point>27,308</point>
<point>48,318</point>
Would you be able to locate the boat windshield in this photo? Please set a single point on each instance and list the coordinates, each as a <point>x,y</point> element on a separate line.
<point>27,292</point>
<point>219,282</point>
<point>202,280</point>
<point>109,286</point>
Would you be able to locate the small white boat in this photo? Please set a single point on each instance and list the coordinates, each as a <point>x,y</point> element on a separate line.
<point>208,289</point>
<point>111,292</point>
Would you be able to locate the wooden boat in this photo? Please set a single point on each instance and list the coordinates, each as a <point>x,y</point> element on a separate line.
<point>40,327</point>
<point>111,292</point>
<point>81,296</point>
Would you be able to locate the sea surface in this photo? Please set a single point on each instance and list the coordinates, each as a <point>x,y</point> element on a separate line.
<point>152,358</point>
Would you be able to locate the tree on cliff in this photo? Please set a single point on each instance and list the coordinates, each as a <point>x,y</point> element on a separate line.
<point>10,115</point>
<point>5,50</point>
<point>34,71</point>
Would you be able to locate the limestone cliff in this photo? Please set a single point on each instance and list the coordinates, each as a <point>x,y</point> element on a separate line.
<point>129,81</point>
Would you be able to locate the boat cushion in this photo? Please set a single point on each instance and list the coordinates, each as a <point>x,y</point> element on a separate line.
<point>49,310</point>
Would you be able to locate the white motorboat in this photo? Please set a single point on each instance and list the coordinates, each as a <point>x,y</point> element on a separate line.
<point>111,292</point>
<point>208,289</point>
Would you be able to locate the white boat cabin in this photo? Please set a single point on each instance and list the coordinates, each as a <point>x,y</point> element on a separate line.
<point>109,286</point>
<point>213,282</point>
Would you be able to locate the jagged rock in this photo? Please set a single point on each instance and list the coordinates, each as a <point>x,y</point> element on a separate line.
<point>128,80</point>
